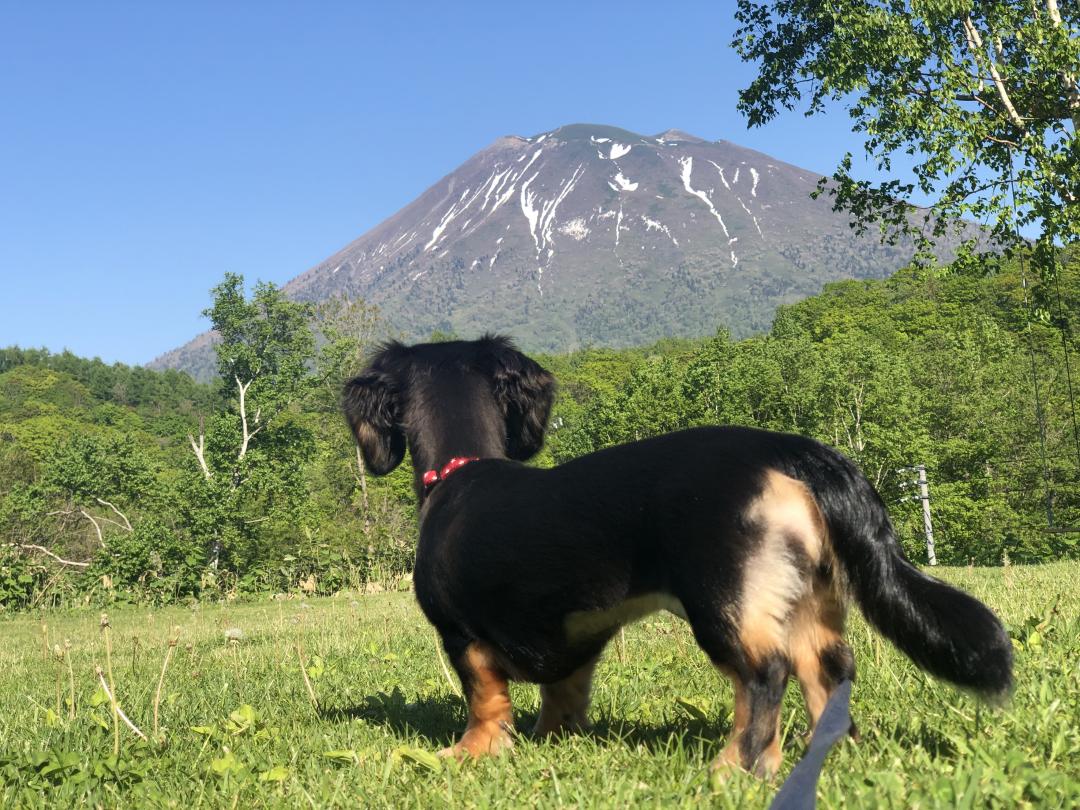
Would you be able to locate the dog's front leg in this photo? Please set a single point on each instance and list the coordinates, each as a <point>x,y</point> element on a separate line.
<point>487,692</point>
<point>564,705</point>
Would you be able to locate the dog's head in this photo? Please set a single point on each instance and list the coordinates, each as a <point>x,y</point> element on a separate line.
<point>459,398</point>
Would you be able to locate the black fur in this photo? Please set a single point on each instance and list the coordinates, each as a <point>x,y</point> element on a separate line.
<point>507,552</point>
<point>765,692</point>
<point>942,629</point>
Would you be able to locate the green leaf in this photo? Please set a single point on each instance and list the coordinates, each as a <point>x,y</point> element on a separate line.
<point>226,764</point>
<point>316,668</point>
<point>242,719</point>
<point>418,756</point>
<point>692,710</point>
<point>344,755</point>
<point>279,773</point>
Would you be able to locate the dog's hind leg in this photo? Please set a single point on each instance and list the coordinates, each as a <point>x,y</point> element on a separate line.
<point>822,659</point>
<point>759,673</point>
<point>487,692</point>
<point>564,705</point>
<point>755,737</point>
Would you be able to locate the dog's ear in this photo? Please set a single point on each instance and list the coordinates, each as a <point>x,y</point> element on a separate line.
<point>525,391</point>
<point>373,410</point>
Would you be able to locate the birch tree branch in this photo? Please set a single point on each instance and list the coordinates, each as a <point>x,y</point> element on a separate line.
<point>200,453</point>
<point>116,704</point>
<point>48,553</point>
<point>123,517</point>
<point>97,526</point>
<point>246,438</point>
<point>1068,79</point>
<point>978,51</point>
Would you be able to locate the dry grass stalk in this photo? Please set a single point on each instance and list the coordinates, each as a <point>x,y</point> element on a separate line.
<point>71,679</point>
<point>118,713</point>
<point>173,641</point>
<point>105,628</point>
<point>58,657</point>
<point>303,672</point>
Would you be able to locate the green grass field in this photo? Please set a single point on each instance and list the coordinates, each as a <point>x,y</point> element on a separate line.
<point>238,728</point>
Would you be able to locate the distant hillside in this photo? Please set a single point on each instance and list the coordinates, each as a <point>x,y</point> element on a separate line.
<point>593,235</point>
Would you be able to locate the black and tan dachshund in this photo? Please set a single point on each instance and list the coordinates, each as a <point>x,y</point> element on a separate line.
<point>755,538</point>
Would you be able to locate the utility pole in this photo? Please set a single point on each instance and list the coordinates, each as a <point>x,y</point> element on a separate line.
<point>924,496</point>
<point>928,526</point>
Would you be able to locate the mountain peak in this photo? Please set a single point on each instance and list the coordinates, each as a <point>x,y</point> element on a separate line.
<point>595,235</point>
<point>677,135</point>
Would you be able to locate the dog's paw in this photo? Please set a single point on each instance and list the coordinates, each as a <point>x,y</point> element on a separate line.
<point>547,727</point>
<point>729,763</point>
<point>480,741</point>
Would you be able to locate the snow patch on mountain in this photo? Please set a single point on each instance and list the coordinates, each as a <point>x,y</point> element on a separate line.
<point>541,213</point>
<point>655,225</point>
<point>622,184</point>
<point>575,228</point>
<point>618,150</point>
<point>723,179</point>
<point>748,211</point>
<point>687,164</point>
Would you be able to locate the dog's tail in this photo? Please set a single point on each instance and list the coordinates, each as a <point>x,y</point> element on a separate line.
<point>943,630</point>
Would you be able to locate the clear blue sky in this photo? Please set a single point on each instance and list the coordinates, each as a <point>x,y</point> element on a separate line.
<point>148,148</point>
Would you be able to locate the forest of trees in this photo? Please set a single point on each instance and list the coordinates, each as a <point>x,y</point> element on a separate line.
<point>120,483</point>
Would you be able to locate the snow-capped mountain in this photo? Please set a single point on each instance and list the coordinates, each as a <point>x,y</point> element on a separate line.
<point>593,235</point>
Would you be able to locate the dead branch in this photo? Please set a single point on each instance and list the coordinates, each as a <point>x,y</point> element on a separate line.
<point>97,526</point>
<point>48,553</point>
<point>123,517</point>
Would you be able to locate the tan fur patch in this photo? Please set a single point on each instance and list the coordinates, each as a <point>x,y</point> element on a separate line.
<point>818,624</point>
<point>490,716</point>
<point>776,575</point>
<point>583,624</point>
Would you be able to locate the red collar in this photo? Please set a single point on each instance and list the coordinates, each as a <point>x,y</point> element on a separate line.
<point>432,477</point>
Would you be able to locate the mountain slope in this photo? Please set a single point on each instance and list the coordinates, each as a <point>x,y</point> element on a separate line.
<point>593,235</point>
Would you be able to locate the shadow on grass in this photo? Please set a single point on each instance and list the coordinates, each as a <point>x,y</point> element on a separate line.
<point>934,743</point>
<point>439,721</point>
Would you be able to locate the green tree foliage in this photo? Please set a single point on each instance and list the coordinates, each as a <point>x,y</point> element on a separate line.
<point>984,96</point>
<point>104,499</point>
<point>926,367</point>
<point>120,492</point>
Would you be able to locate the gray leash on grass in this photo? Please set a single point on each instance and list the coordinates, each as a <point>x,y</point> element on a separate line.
<point>799,791</point>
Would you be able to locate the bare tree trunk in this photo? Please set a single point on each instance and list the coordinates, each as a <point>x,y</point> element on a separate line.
<point>1068,80</point>
<point>200,452</point>
<point>978,53</point>
<point>247,435</point>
